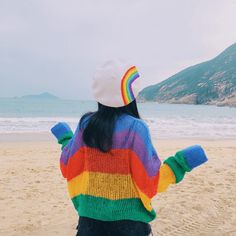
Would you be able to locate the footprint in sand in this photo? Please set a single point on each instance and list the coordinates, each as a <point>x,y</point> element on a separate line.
<point>195,226</point>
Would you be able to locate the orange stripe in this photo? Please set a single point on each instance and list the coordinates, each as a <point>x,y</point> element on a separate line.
<point>114,162</point>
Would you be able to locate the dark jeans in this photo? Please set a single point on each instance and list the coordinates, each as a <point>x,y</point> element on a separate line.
<point>91,227</point>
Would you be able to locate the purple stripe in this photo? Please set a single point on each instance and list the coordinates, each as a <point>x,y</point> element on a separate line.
<point>145,152</point>
<point>129,84</point>
<point>72,147</point>
<point>122,140</point>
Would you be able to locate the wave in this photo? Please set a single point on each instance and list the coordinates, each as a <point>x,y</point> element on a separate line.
<point>160,127</point>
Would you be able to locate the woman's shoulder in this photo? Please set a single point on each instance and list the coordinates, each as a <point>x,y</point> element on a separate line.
<point>133,119</point>
<point>132,122</point>
<point>85,119</point>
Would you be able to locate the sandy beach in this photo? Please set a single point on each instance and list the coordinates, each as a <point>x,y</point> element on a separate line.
<point>34,198</point>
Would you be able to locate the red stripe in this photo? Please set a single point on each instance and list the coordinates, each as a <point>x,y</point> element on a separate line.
<point>63,169</point>
<point>116,161</point>
<point>146,184</point>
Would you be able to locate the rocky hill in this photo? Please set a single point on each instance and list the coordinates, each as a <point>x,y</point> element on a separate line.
<point>210,82</point>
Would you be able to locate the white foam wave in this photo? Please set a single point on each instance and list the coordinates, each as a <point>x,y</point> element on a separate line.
<point>159,127</point>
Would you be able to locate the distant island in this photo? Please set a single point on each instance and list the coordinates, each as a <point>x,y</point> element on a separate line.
<point>45,96</point>
<point>212,82</point>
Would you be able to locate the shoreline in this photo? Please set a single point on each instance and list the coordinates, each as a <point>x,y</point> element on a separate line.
<point>47,136</point>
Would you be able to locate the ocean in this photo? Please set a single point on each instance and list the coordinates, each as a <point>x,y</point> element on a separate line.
<point>164,120</point>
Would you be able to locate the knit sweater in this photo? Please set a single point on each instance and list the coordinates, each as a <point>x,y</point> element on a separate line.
<point>121,183</point>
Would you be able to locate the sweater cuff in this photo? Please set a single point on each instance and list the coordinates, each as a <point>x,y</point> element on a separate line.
<point>191,157</point>
<point>60,130</point>
<point>65,139</point>
<point>179,157</point>
<point>177,169</point>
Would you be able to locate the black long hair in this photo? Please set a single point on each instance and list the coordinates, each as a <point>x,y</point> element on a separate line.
<point>99,130</point>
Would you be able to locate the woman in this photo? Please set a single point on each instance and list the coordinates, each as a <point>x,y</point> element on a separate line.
<point>111,166</point>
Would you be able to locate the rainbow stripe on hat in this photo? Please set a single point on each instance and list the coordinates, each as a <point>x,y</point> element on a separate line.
<point>126,90</point>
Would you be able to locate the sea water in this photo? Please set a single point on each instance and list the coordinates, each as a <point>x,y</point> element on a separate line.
<point>164,120</point>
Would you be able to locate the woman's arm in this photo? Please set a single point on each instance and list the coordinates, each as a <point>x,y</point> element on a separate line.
<point>64,136</point>
<point>166,178</point>
<point>63,133</point>
<point>175,167</point>
<point>149,174</point>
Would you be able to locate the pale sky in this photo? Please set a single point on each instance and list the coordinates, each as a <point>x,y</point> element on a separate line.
<point>55,45</point>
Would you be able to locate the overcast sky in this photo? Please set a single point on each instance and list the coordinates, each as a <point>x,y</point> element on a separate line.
<point>55,45</point>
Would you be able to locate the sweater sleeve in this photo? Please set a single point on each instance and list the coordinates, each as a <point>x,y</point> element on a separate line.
<point>175,167</point>
<point>145,163</point>
<point>72,145</point>
<point>167,177</point>
<point>68,147</point>
<point>170,173</point>
<point>149,174</point>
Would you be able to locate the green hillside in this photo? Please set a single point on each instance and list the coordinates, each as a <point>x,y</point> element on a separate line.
<point>210,82</point>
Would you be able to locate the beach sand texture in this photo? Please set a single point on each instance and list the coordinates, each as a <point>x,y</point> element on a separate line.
<point>34,198</point>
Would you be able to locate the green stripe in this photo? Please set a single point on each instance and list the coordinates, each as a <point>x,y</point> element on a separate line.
<point>65,139</point>
<point>67,135</point>
<point>109,210</point>
<point>176,168</point>
<point>179,157</point>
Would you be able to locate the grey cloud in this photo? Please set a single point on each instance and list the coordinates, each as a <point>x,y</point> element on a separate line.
<point>55,45</point>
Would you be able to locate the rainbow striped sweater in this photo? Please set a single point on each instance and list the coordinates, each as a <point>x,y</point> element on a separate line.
<point>121,183</point>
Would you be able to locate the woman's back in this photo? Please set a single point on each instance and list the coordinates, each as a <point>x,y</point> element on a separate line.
<point>118,184</point>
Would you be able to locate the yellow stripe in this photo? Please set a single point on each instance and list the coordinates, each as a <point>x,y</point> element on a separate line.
<point>145,199</point>
<point>166,178</point>
<point>131,72</point>
<point>111,186</point>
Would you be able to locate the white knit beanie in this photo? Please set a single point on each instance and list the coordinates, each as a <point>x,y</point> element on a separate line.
<point>116,83</point>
